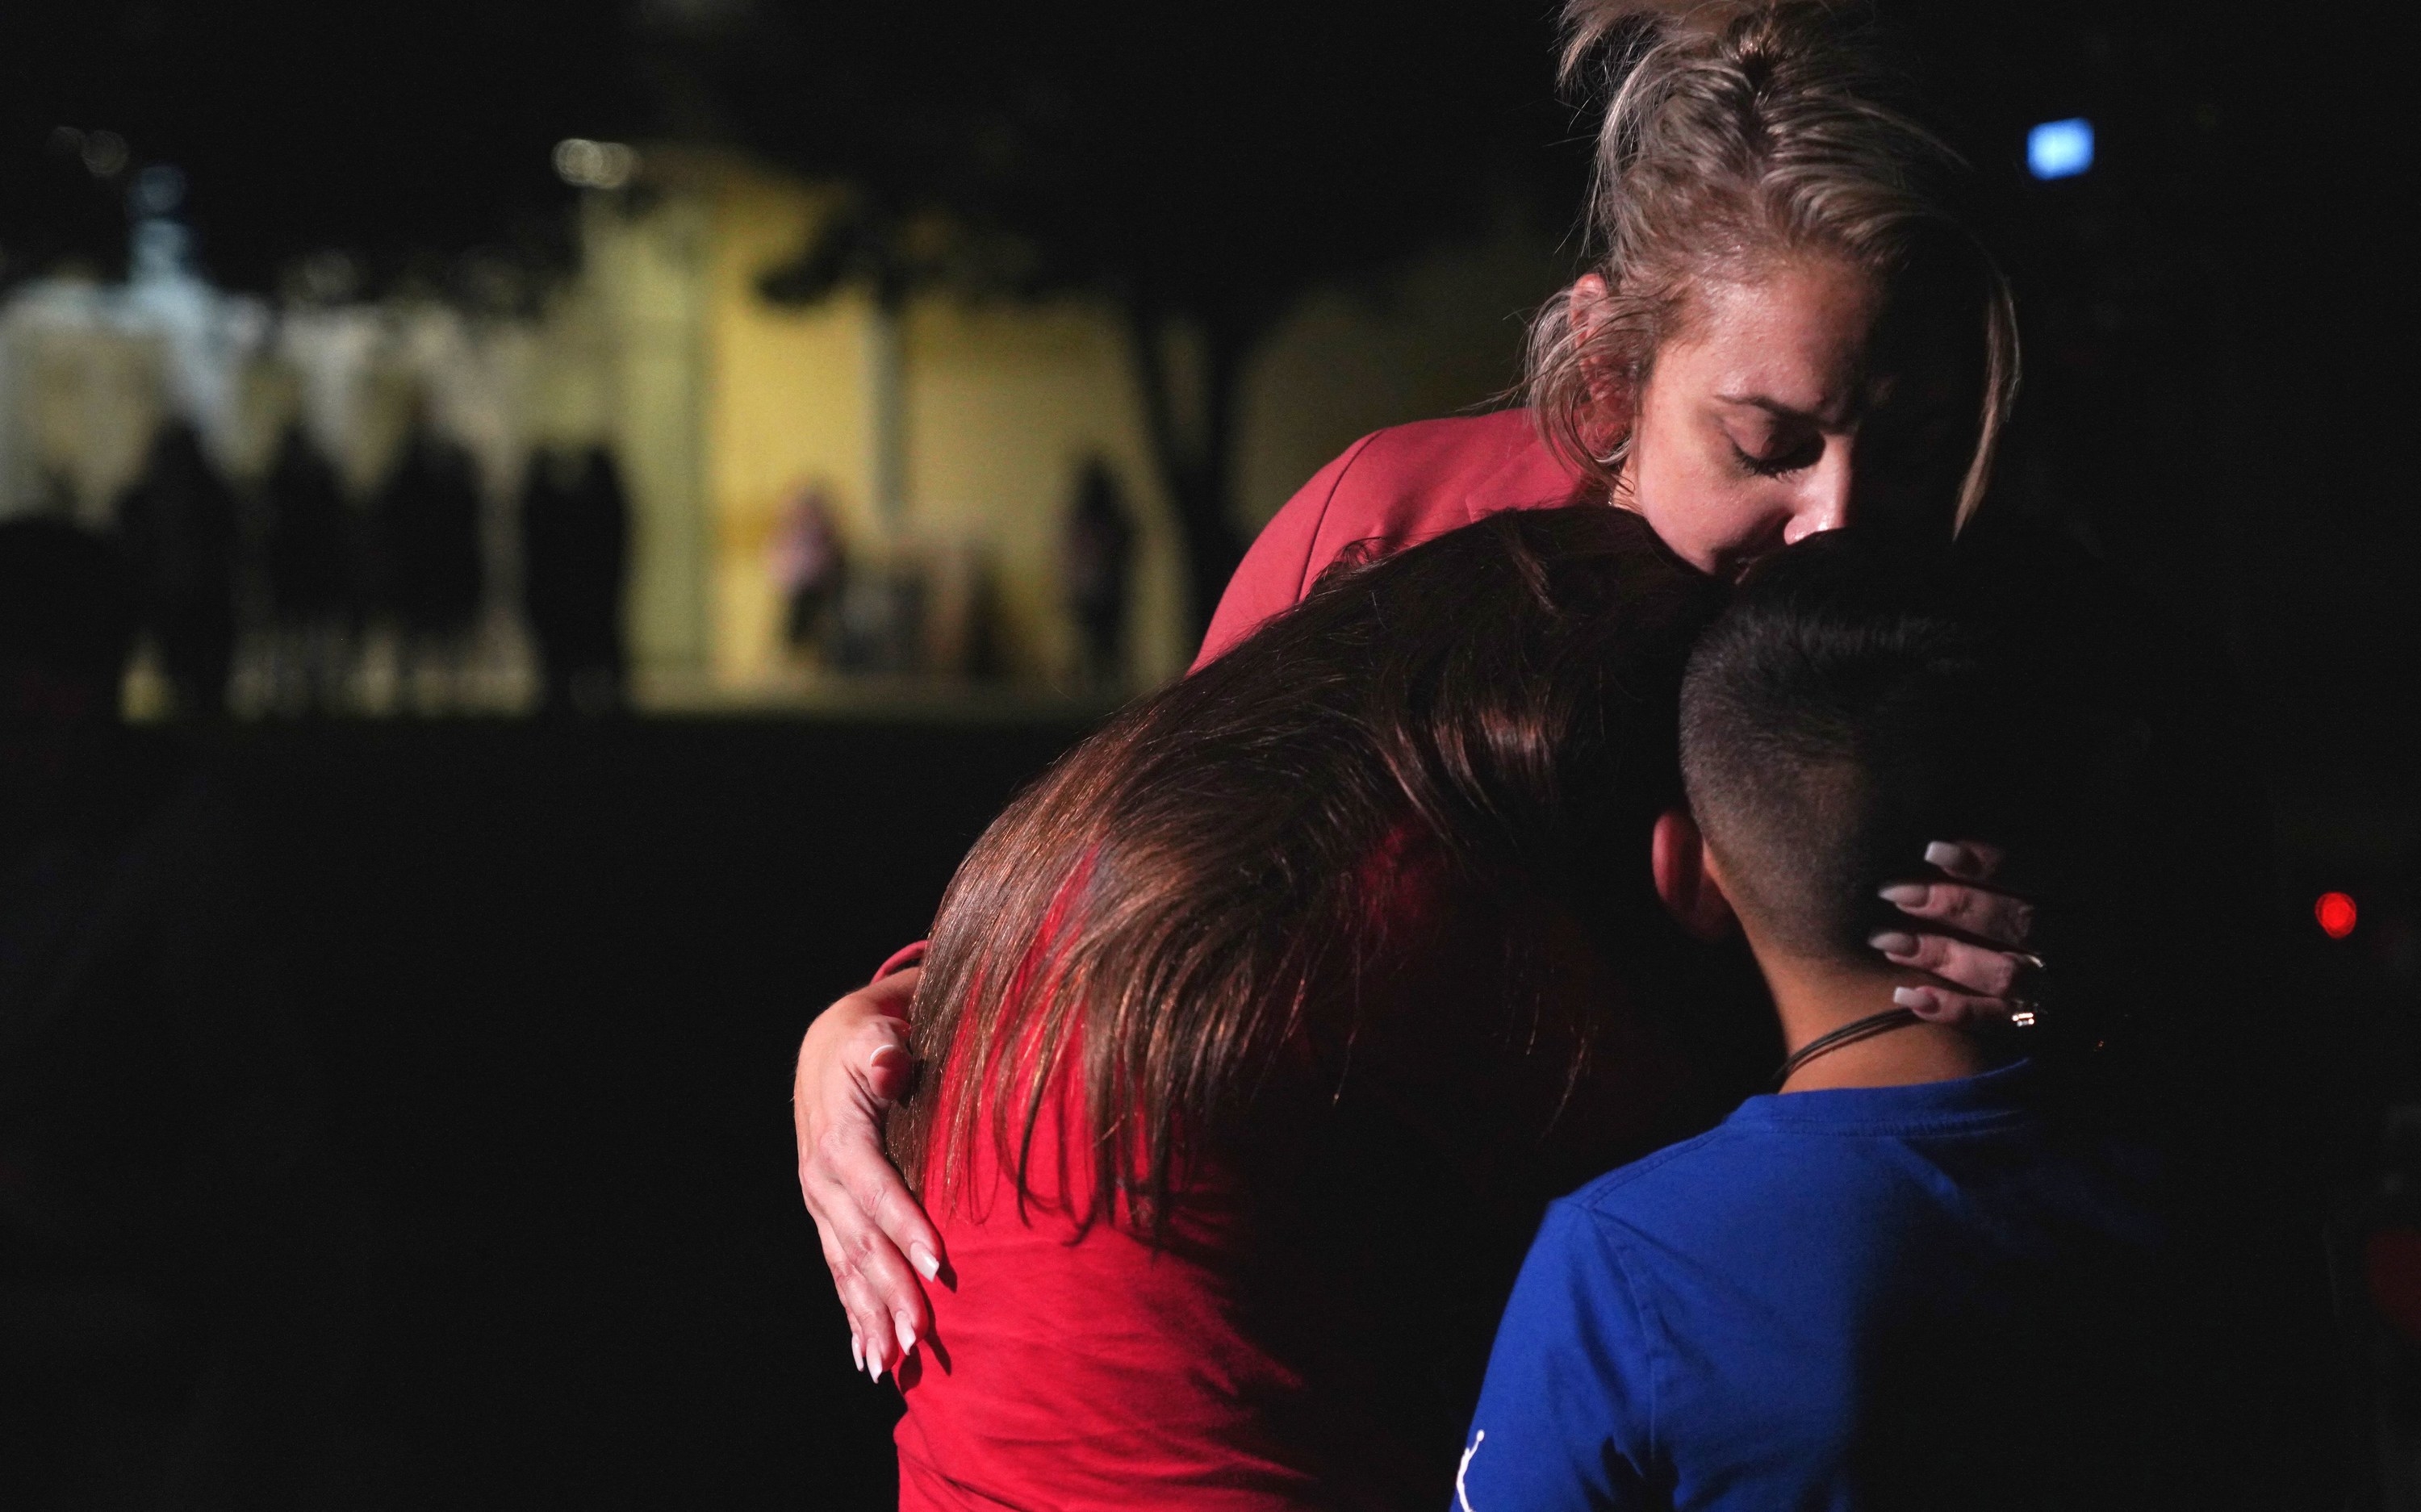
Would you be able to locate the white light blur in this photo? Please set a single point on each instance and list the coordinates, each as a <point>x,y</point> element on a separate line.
<point>586,164</point>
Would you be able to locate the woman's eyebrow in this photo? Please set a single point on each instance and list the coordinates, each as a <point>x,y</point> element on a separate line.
<point>1773,407</point>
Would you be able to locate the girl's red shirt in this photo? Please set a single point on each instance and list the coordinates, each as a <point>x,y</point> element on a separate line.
<point>1078,1366</point>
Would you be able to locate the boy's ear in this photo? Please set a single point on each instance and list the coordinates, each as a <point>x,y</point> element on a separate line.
<point>1686,879</point>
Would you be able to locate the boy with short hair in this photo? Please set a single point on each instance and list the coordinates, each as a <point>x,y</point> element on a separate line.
<point>1917,1275</point>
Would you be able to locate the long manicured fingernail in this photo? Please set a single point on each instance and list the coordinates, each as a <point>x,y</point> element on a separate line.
<point>874,1366</point>
<point>1907,895</point>
<point>897,1057</point>
<point>1893,942</point>
<point>928,1264</point>
<point>1915,999</point>
<point>907,1333</point>
<point>1943,854</point>
<point>856,1350</point>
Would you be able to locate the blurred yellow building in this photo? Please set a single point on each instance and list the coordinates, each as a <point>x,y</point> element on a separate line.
<point>946,437</point>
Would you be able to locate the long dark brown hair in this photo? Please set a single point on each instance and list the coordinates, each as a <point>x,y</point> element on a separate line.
<point>1190,889</point>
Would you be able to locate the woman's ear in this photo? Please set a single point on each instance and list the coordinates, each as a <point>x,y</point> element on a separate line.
<point>1585,304</point>
<point>1685,878</point>
<point>1609,386</point>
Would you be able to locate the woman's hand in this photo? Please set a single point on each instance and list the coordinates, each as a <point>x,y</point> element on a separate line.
<point>1979,948</point>
<point>852,1066</point>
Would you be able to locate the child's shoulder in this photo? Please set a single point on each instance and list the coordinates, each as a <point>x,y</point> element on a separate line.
<point>1833,1161</point>
<point>1767,1158</point>
<point>1681,1170</point>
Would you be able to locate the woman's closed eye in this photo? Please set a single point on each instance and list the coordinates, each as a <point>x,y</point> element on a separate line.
<point>1789,454</point>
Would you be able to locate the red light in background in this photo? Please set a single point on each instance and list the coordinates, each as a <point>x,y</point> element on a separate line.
<point>2336,913</point>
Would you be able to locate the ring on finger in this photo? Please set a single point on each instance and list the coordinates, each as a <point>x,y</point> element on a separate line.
<point>2026,1011</point>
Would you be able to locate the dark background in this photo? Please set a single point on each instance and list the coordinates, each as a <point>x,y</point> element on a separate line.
<point>559,975</point>
<point>554,973</point>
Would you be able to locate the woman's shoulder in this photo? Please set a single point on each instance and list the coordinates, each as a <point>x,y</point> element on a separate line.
<point>1463,451</point>
<point>1431,476</point>
<point>1389,490</point>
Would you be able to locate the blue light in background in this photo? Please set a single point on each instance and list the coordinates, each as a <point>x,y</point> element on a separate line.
<point>2060,148</point>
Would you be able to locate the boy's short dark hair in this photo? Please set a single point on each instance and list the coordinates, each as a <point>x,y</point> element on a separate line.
<point>1857,700</point>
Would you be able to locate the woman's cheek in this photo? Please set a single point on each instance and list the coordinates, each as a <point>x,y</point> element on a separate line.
<point>1683,528</point>
<point>1691,510</point>
<point>1738,523</point>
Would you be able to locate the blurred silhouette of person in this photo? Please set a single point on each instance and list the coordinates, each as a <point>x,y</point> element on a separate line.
<point>1100,566</point>
<point>575,556</point>
<point>177,525</point>
<point>428,517</point>
<point>809,566</point>
<point>173,1271</point>
<point>313,567</point>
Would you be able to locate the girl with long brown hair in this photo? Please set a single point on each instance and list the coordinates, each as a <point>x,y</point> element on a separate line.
<point>1257,1032</point>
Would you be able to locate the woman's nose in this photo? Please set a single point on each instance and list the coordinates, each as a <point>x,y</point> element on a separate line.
<point>1827,494</point>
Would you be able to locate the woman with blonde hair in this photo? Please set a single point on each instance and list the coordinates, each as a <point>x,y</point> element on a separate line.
<point>1787,327</point>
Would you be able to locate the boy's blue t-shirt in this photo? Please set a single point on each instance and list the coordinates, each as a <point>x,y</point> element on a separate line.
<point>1938,1294</point>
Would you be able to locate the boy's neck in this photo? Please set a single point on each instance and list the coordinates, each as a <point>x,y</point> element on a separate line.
<point>1814,998</point>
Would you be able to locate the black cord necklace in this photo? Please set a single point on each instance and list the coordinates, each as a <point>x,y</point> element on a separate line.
<point>1848,1033</point>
